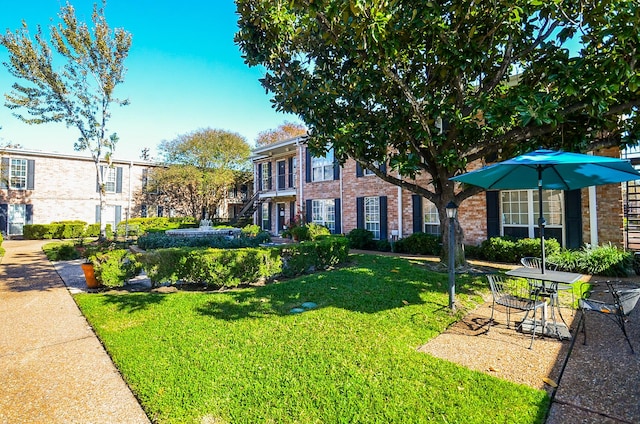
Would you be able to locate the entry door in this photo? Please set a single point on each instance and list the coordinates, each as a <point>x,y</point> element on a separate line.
<point>281,217</point>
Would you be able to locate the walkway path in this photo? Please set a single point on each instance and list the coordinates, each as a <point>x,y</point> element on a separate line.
<point>53,369</point>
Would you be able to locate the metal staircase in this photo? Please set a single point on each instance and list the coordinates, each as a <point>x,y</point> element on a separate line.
<point>632,215</point>
<point>244,216</point>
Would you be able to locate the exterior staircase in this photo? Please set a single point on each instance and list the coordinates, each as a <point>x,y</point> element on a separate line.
<point>245,215</point>
<point>632,215</point>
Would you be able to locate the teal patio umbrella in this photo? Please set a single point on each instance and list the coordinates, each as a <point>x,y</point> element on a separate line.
<point>550,170</point>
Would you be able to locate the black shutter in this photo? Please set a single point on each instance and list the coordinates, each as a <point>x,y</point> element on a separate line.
<point>4,212</point>
<point>31,170</point>
<point>336,170</point>
<point>259,177</point>
<point>4,178</point>
<point>338,212</point>
<point>573,218</point>
<point>259,214</point>
<point>384,233</point>
<point>360,212</point>
<point>383,167</point>
<point>269,177</point>
<point>28,214</point>
<point>119,179</point>
<point>493,214</point>
<point>307,165</point>
<point>359,171</point>
<point>418,225</point>
<point>292,212</point>
<point>309,211</point>
<point>291,170</point>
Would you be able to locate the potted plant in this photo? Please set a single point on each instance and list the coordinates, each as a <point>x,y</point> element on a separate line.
<point>89,274</point>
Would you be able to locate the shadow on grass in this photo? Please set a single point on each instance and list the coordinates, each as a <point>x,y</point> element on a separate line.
<point>135,301</point>
<point>368,285</point>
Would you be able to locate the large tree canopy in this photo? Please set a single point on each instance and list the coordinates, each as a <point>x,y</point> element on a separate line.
<point>284,131</point>
<point>80,92</point>
<point>200,167</point>
<point>431,86</point>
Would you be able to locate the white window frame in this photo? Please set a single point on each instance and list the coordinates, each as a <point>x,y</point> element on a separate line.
<point>265,176</point>
<point>372,216</point>
<point>431,218</point>
<point>18,169</point>
<point>520,208</point>
<point>265,224</point>
<point>17,218</point>
<point>367,172</point>
<point>322,167</point>
<point>110,177</point>
<point>323,212</point>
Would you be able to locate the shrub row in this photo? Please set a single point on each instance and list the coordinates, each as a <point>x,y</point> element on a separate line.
<point>510,250</point>
<point>60,230</point>
<point>162,241</point>
<point>232,267</point>
<point>114,267</point>
<point>139,226</point>
<point>606,260</point>
<point>417,243</point>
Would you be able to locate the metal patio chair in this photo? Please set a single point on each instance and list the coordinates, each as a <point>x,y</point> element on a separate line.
<point>614,300</point>
<point>533,262</point>
<point>516,293</point>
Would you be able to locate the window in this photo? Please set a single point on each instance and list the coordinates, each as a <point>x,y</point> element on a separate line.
<point>266,222</point>
<point>372,215</point>
<point>367,171</point>
<point>323,212</point>
<point>266,176</point>
<point>18,174</point>
<point>520,212</point>
<point>322,167</point>
<point>17,218</point>
<point>109,176</point>
<point>431,218</point>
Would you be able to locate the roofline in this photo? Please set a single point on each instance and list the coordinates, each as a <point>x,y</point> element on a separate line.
<point>41,153</point>
<point>289,141</point>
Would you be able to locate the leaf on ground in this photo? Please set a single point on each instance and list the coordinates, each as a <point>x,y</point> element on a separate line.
<point>550,382</point>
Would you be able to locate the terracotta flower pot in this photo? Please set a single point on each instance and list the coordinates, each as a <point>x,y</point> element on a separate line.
<point>90,276</point>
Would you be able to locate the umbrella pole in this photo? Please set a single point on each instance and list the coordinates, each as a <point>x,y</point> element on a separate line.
<point>541,221</point>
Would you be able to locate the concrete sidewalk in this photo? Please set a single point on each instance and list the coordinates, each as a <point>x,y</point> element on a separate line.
<point>53,369</point>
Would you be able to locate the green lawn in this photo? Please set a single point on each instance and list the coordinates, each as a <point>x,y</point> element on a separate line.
<point>242,357</point>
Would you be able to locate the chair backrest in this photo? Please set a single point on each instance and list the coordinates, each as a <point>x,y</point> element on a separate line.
<point>627,299</point>
<point>509,288</point>
<point>531,262</point>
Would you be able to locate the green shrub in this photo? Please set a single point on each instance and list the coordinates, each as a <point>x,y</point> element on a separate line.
<point>420,244</point>
<point>251,230</point>
<point>115,267</point>
<point>360,238</point>
<point>317,230</point>
<point>310,256</point>
<point>60,251</point>
<point>499,249</point>
<point>162,241</point>
<point>164,265</point>
<point>93,230</point>
<point>606,260</point>
<point>1,239</point>
<point>529,247</point>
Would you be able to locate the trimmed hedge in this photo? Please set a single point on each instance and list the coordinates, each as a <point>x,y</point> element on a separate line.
<point>420,244</point>
<point>115,267</point>
<point>232,267</point>
<point>162,241</point>
<point>510,250</point>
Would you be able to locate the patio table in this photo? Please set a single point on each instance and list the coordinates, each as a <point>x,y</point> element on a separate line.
<point>555,328</point>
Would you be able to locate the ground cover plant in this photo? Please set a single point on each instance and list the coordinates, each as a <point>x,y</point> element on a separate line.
<point>242,356</point>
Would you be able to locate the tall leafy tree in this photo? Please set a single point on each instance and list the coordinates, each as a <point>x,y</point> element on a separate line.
<point>81,92</point>
<point>284,131</point>
<point>432,86</point>
<point>200,167</point>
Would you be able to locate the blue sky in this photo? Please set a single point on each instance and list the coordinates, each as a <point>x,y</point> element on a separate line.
<point>184,73</point>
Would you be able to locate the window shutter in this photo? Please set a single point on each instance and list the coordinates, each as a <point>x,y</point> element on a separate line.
<point>359,171</point>
<point>259,177</point>
<point>98,181</point>
<point>259,214</point>
<point>360,212</point>
<point>119,179</point>
<point>418,225</point>
<point>270,208</point>
<point>269,179</point>
<point>4,211</point>
<point>493,214</point>
<point>383,218</point>
<point>336,170</point>
<point>573,218</point>
<point>118,214</point>
<point>291,176</point>
<point>338,221</point>
<point>309,211</point>
<point>292,211</point>
<point>307,165</point>
<point>28,214</point>
<point>31,169</point>
<point>383,167</point>
<point>4,178</point>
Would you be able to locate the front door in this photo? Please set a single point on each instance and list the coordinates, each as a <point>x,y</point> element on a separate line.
<point>281,217</point>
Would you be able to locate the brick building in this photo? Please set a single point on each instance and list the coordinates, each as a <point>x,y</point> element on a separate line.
<point>39,188</point>
<point>290,183</point>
